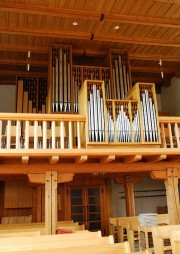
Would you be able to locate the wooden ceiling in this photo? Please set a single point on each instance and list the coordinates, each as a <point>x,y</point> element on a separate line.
<point>148,29</point>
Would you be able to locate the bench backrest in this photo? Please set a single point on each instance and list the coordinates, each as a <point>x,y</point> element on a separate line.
<point>119,248</point>
<point>175,241</point>
<point>43,243</point>
<point>161,233</point>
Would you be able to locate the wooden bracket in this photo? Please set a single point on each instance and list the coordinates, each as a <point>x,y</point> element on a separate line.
<point>81,159</point>
<point>156,158</point>
<point>107,159</point>
<point>165,174</point>
<point>25,160</point>
<point>128,179</point>
<point>53,159</point>
<point>132,158</point>
<point>65,177</point>
<point>36,178</point>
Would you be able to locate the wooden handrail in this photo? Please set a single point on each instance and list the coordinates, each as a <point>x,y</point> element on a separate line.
<point>41,130</point>
<point>170,131</point>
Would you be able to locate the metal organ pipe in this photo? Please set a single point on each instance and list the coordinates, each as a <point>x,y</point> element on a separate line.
<point>61,81</point>
<point>96,116</point>
<point>149,117</point>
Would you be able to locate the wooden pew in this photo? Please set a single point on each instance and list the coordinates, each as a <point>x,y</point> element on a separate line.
<point>50,242</point>
<point>113,228</point>
<point>19,234</point>
<point>119,248</point>
<point>132,232</point>
<point>83,234</point>
<point>71,227</point>
<point>175,241</point>
<point>122,227</point>
<point>23,227</point>
<point>161,233</point>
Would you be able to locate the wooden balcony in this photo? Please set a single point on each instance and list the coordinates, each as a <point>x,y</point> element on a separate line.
<point>41,142</point>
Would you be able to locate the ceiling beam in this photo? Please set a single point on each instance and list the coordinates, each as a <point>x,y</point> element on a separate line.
<point>152,69</point>
<point>92,15</point>
<point>87,36</point>
<point>22,73</point>
<point>98,53</point>
<point>9,61</point>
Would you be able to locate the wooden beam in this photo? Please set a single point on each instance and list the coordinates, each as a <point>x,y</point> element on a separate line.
<point>86,36</point>
<point>92,15</point>
<point>54,159</point>
<point>21,73</point>
<point>9,168</point>
<point>81,159</point>
<point>107,159</point>
<point>132,158</point>
<point>174,158</point>
<point>156,158</point>
<point>25,160</point>
<point>151,69</point>
<point>45,50</point>
<point>64,178</point>
<point>22,62</point>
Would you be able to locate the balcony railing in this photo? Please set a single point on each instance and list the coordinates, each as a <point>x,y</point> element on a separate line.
<point>170,132</point>
<point>41,131</point>
<point>64,131</point>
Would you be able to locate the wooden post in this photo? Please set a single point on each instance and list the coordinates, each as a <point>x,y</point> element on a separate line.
<point>50,178</point>
<point>172,194</point>
<point>129,182</point>
<point>53,202</point>
<point>48,210</point>
<point>129,196</point>
<point>170,177</point>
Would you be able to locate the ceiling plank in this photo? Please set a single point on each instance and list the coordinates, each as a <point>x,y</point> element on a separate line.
<point>92,15</point>
<point>9,61</point>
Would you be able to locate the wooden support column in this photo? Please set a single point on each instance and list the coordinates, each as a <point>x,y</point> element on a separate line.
<point>50,202</point>
<point>172,194</point>
<point>170,177</point>
<point>50,179</point>
<point>128,182</point>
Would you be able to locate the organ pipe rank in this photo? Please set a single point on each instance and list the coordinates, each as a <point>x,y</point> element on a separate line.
<point>61,80</point>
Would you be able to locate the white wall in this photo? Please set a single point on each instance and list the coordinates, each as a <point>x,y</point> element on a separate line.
<point>170,97</point>
<point>147,198</point>
<point>8,98</point>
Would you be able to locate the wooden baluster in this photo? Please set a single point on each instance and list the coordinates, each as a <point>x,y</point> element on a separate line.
<point>18,134</point>
<point>44,134</point>
<point>26,143</point>
<point>78,135</point>
<point>70,135</point>
<point>62,134</point>
<point>53,134</point>
<point>8,142</point>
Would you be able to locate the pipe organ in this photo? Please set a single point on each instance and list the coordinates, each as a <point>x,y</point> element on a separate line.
<point>130,121</point>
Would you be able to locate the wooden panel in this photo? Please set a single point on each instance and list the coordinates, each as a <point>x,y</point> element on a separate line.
<point>11,195</point>
<point>25,195</point>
